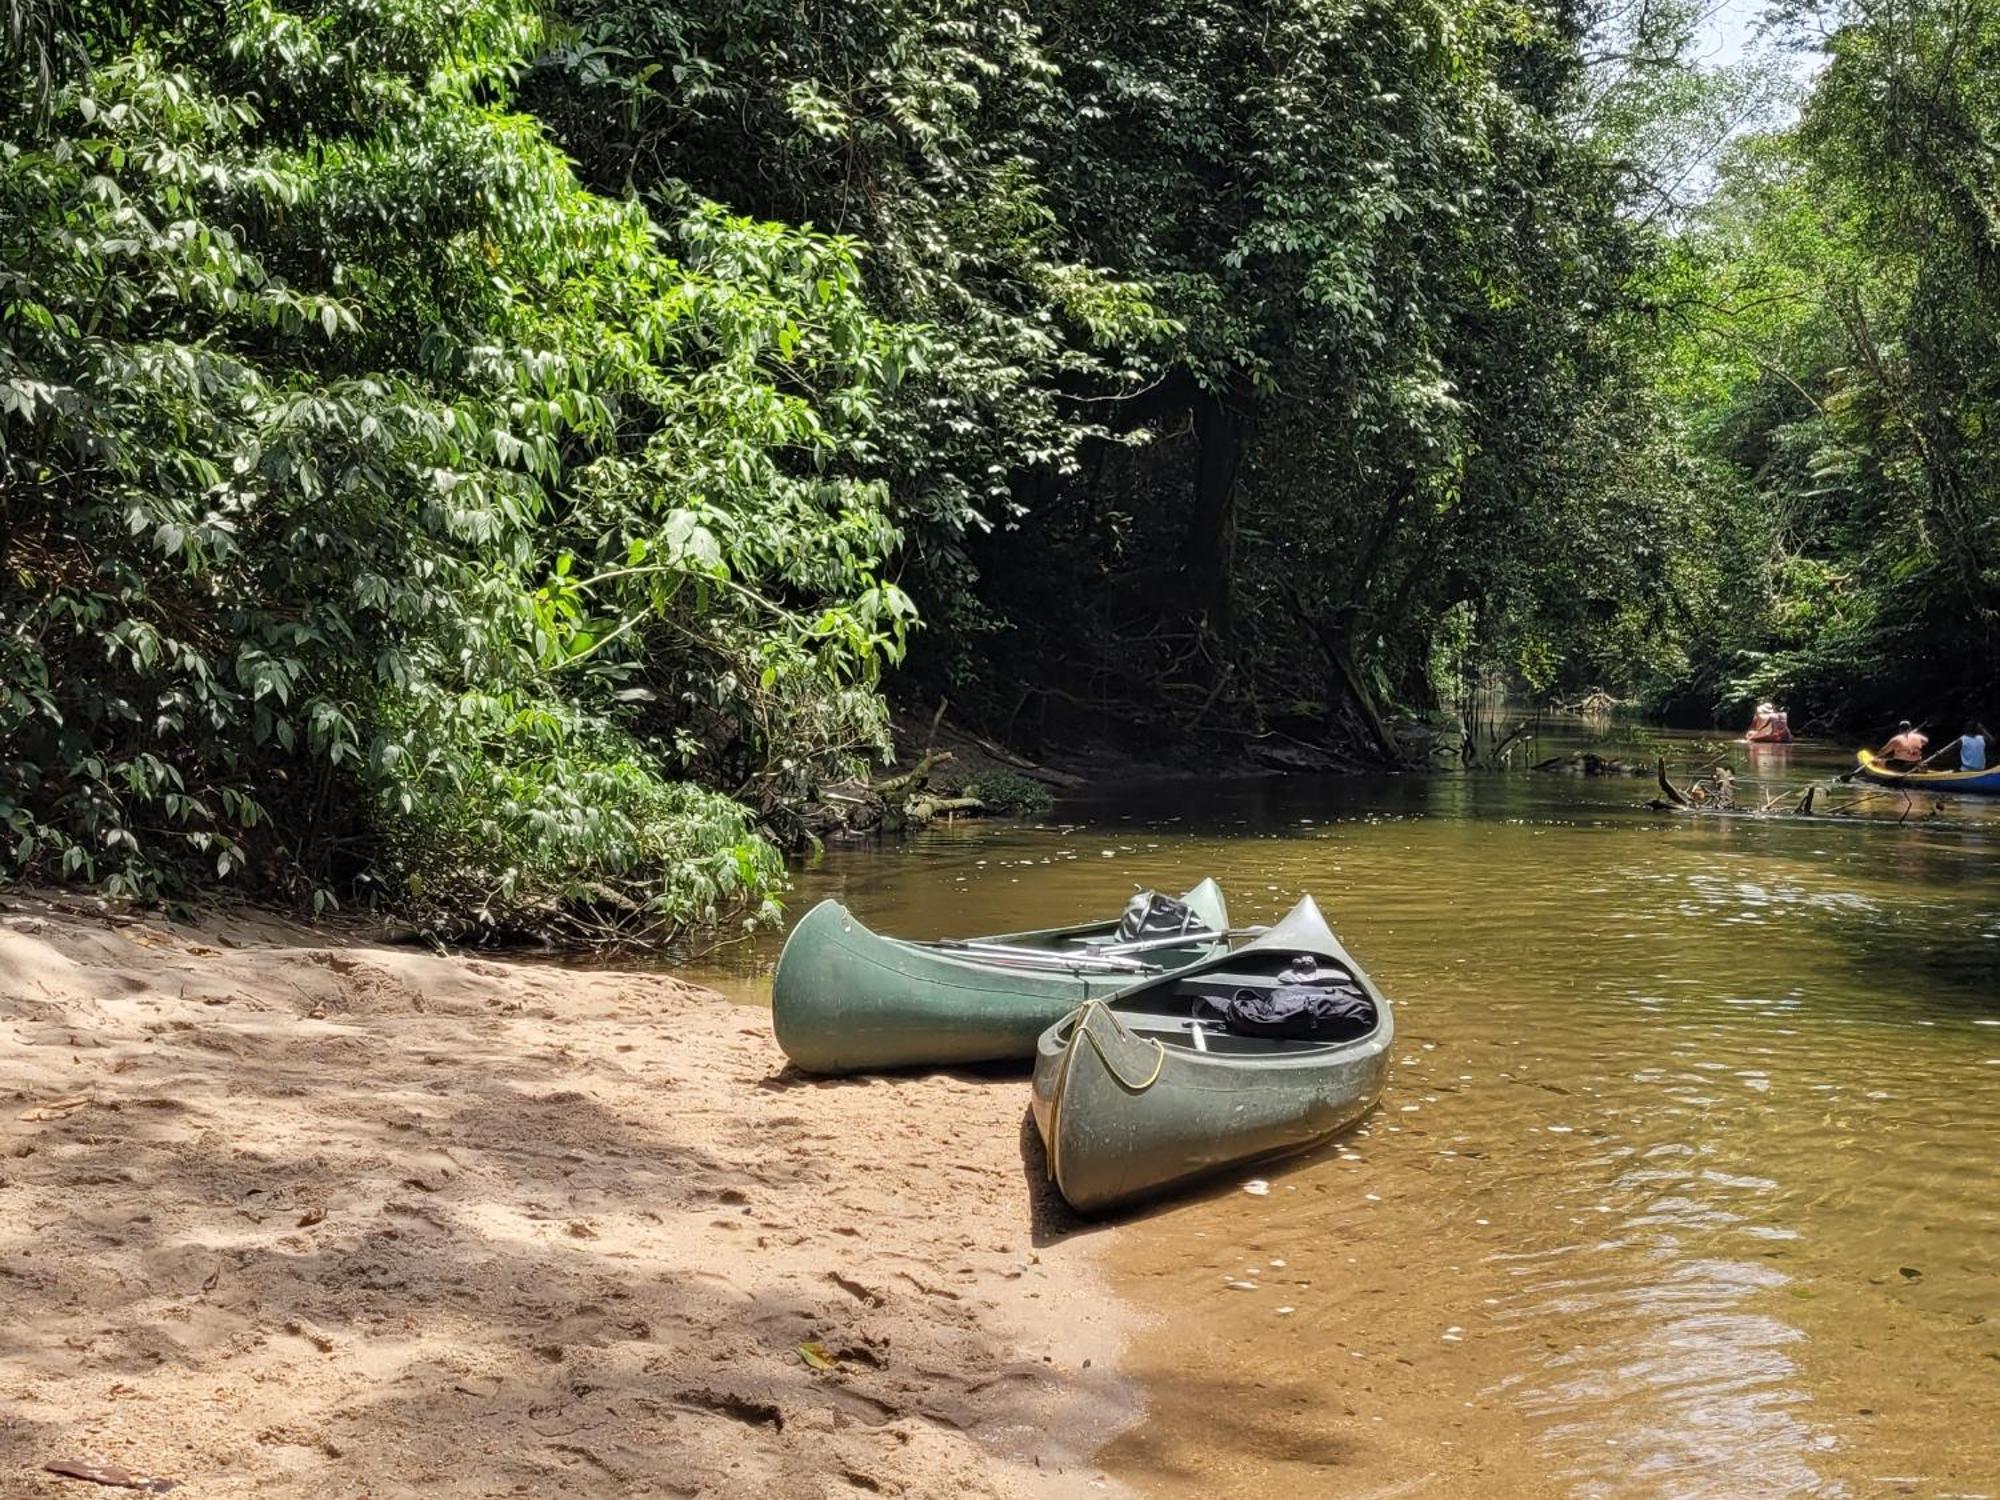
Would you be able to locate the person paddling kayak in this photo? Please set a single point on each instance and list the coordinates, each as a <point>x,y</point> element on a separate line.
<point>1905,748</point>
<point>1769,725</point>
<point>1971,747</point>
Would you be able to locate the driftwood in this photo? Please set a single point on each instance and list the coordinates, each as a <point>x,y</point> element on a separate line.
<point>925,809</point>
<point>1673,796</point>
<point>1808,804</point>
<point>1701,795</point>
<point>1595,704</point>
<point>851,807</point>
<point>1494,754</point>
<point>914,778</point>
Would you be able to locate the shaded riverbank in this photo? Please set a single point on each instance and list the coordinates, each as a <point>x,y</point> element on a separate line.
<point>281,1214</point>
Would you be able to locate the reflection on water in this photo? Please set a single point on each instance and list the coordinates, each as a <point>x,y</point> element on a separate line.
<point>1685,1183</point>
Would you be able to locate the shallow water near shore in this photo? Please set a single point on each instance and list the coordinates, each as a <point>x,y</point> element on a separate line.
<point>1685,1180</point>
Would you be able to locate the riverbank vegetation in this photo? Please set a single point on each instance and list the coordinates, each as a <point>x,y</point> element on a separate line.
<point>498,461</point>
<point>1833,311</point>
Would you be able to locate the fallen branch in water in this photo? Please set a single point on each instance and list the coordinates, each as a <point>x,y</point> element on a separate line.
<point>1588,763</point>
<point>925,809</point>
<point>914,778</point>
<point>1490,759</point>
<point>1674,796</point>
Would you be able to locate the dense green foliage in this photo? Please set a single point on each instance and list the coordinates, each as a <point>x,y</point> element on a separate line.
<point>482,457</point>
<point>433,469</point>
<point>1271,338</point>
<point>381,507</point>
<point>1832,314</point>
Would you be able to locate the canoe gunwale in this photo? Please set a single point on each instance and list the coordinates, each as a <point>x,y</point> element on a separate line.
<point>1286,1053</point>
<point>1201,895</point>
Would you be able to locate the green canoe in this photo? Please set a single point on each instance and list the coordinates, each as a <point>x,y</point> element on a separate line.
<point>846,999</point>
<point>1138,1092</point>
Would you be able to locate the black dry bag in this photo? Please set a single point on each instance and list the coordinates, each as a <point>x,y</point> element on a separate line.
<point>1151,915</point>
<point>1300,1011</point>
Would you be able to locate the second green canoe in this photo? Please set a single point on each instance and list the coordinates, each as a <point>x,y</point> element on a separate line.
<point>846,999</point>
<point>1147,1090</point>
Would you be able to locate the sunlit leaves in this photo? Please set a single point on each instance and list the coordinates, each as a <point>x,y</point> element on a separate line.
<point>361,464</point>
<point>1835,341</point>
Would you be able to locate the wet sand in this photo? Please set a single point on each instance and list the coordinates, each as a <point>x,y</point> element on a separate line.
<point>286,1215</point>
<point>1327,1337</point>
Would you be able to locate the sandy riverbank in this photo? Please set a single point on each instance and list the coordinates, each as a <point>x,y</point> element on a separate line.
<point>285,1214</point>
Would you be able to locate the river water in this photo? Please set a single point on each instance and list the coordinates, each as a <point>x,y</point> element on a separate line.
<point>1685,1180</point>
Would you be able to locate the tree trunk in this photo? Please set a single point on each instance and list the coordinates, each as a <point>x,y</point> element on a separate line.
<point>1336,644</point>
<point>1339,645</point>
<point>1208,556</point>
<point>1953,518</point>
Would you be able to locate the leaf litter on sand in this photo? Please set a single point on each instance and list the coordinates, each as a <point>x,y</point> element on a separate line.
<point>817,1355</point>
<point>113,1475</point>
<point>55,1109</point>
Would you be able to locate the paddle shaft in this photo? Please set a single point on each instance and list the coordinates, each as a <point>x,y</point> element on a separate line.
<point>1182,939</point>
<point>1050,958</point>
<point>1116,957</point>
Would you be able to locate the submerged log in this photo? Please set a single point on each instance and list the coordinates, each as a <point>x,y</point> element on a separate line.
<point>1284,752</point>
<point>921,810</point>
<point>1589,763</point>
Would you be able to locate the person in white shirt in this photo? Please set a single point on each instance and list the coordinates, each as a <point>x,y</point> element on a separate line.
<point>1971,748</point>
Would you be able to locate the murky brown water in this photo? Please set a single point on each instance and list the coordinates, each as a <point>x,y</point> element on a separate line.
<point>1687,1181</point>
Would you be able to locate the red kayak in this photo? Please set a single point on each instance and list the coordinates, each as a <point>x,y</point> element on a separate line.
<point>1770,726</point>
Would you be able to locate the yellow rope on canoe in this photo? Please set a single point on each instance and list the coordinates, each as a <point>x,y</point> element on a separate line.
<point>1080,1029</point>
<point>1159,1049</point>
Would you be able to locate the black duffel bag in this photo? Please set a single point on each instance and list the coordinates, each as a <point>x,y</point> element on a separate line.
<point>1299,1011</point>
<point>1152,915</point>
